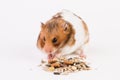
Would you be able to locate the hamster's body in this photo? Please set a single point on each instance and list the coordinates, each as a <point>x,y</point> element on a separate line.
<point>69,30</point>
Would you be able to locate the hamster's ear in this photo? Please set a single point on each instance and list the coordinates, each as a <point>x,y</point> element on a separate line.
<point>42,24</point>
<point>65,26</point>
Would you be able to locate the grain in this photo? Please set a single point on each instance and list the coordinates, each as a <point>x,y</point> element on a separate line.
<point>64,66</point>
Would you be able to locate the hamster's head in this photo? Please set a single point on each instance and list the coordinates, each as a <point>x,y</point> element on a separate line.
<point>54,35</point>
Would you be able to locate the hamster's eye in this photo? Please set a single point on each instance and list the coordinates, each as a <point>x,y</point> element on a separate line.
<point>44,39</point>
<point>54,40</point>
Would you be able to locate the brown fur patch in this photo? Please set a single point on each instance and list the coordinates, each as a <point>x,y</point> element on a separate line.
<point>58,15</point>
<point>54,29</point>
<point>40,43</point>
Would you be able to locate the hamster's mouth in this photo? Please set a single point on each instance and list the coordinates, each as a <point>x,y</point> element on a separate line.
<point>51,56</point>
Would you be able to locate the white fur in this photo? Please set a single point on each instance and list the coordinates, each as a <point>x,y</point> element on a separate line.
<point>79,31</point>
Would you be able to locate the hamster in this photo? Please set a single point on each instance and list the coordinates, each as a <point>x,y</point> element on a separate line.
<point>63,34</point>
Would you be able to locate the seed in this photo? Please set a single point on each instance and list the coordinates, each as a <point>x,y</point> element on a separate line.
<point>87,66</point>
<point>56,65</point>
<point>70,69</point>
<point>64,69</point>
<point>42,61</point>
<point>51,68</point>
<point>69,58</point>
<point>59,70</point>
<point>76,60</point>
<point>68,62</point>
<point>62,58</point>
<point>52,61</point>
<point>48,65</point>
<point>73,68</point>
<point>57,73</point>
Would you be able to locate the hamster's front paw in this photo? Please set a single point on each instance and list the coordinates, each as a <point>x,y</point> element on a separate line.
<point>83,56</point>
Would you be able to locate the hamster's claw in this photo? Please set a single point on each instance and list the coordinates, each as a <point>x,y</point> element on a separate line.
<point>83,56</point>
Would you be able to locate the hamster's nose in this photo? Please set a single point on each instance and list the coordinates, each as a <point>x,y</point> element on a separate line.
<point>48,50</point>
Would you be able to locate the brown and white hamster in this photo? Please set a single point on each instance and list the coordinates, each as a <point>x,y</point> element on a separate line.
<point>64,34</point>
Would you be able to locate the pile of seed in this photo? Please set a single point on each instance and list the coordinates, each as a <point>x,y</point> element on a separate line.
<point>65,66</point>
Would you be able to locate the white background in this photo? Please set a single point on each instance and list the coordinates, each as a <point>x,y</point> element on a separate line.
<point>20,26</point>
